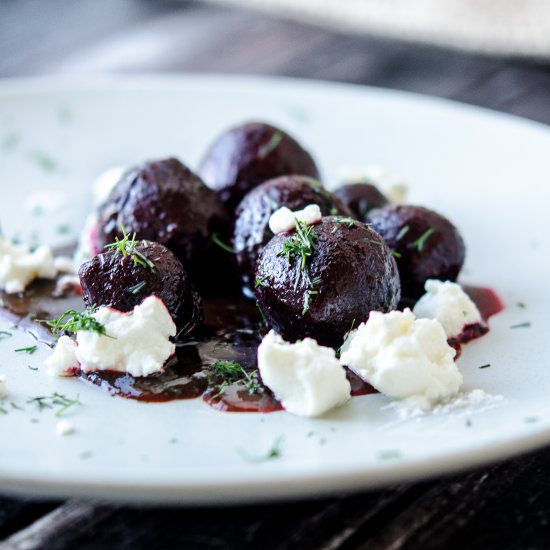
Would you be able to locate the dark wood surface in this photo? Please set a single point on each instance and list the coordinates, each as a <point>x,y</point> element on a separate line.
<point>503,506</point>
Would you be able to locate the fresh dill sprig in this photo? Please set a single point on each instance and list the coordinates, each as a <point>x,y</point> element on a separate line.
<point>343,220</point>
<point>136,288</point>
<point>231,372</point>
<point>30,350</point>
<point>58,400</point>
<point>262,312</point>
<point>274,451</point>
<point>301,245</point>
<point>260,281</point>
<point>127,247</point>
<point>5,334</point>
<point>421,241</point>
<point>402,233</point>
<point>224,246</point>
<point>270,146</point>
<point>74,321</point>
<point>527,324</point>
<point>396,254</point>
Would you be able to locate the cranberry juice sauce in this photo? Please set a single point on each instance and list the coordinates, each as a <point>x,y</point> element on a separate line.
<point>232,331</point>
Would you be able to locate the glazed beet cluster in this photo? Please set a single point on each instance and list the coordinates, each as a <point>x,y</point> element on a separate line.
<point>167,231</point>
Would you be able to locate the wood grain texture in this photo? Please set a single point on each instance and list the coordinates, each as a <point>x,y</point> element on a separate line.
<point>504,506</point>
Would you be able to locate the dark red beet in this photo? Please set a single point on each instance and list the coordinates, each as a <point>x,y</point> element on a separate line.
<point>164,201</point>
<point>351,272</point>
<point>361,198</point>
<point>247,155</point>
<point>251,231</point>
<point>426,244</point>
<point>111,279</point>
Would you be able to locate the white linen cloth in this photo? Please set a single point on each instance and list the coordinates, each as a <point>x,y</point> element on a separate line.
<point>506,27</point>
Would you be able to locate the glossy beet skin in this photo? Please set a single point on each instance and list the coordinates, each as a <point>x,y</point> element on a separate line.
<point>427,245</point>
<point>353,273</point>
<point>251,229</point>
<point>361,198</point>
<point>247,155</point>
<point>111,279</point>
<point>164,201</point>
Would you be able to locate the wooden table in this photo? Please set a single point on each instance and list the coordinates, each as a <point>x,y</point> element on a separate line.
<point>503,506</point>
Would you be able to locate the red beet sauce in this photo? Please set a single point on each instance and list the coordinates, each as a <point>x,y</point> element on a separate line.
<point>232,331</point>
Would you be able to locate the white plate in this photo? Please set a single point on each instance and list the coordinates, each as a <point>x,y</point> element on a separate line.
<point>488,172</point>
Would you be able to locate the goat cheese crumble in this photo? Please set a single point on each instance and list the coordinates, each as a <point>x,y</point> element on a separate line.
<point>306,377</point>
<point>137,342</point>
<point>404,358</point>
<point>285,219</point>
<point>449,304</point>
<point>19,265</point>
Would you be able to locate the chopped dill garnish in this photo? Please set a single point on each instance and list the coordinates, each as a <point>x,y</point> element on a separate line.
<point>527,324</point>
<point>421,241</point>
<point>63,229</point>
<point>307,297</point>
<point>30,350</point>
<point>2,410</point>
<point>136,288</point>
<point>262,312</point>
<point>74,321</point>
<point>10,141</point>
<point>274,451</point>
<point>62,402</point>
<point>16,406</point>
<point>300,245</point>
<point>5,334</point>
<point>343,220</point>
<point>396,254</point>
<point>402,233</point>
<point>521,305</point>
<point>485,366</point>
<point>260,281</point>
<point>389,455</point>
<point>270,146</point>
<point>468,423</point>
<point>231,372</point>
<point>127,247</point>
<point>224,246</point>
<point>44,161</point>
<point>320,190</point>
<point>32,368</point>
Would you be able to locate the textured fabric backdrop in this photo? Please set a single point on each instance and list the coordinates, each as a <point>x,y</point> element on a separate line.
<point>507,27</point>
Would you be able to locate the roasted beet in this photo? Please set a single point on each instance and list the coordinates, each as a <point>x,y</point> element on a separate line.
<point>361,198</point>
<point>320,290</point>
<point>124,276</point>
<point>164,201</point>
<point>251,231</point>
<point>426,245</point>
<point>247,155</point>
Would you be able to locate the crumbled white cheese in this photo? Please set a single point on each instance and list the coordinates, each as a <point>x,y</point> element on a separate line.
<point>3,386</point>
<point>63,361</point>
<point>137,342</point>
<point>285,219</point>
<point>64,427</point>
<point>305,377</point>
<point>404,358</point>
<point>449,304</point>
<point>19,265</point>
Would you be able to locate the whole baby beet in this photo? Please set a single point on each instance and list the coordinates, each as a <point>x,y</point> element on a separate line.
<point>426,245</point>
<point>361,198</point>
<point>348,273</point>
<point>164,201</point>
<point>124,276</point>
<point>247,155</point>
<point>251,230</point>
